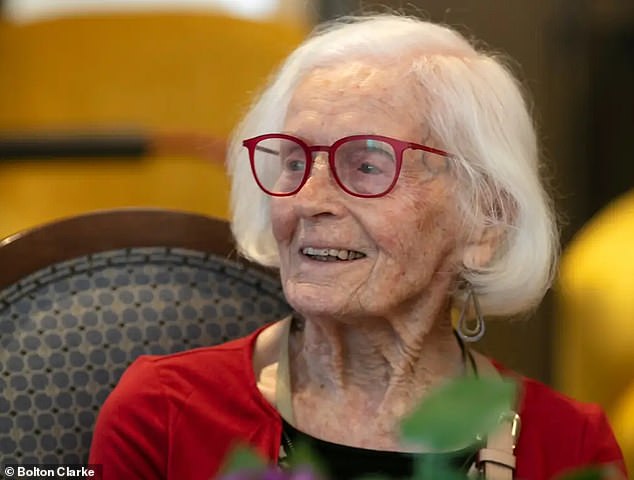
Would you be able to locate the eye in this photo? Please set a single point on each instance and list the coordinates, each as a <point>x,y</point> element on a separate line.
<point>370,169</point>
<point>292,158</point>
<point>294,164</point>
<point>373,158</point>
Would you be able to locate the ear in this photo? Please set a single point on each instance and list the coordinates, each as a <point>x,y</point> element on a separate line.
<point>482,246</point>
<point>489,232</point>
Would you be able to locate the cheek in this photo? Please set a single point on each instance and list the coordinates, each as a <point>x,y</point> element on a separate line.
<point>282,220</point>
<point>421,237</point>
<point>410,222</point>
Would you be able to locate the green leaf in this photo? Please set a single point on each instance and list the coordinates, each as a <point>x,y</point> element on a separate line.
<point>436,468</point>
<point>454,414</point>
<point>593,473</point>
<point>304,456</point>
<point>243,458</point>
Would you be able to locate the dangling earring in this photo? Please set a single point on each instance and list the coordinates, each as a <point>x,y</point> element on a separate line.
<point>467,333</point>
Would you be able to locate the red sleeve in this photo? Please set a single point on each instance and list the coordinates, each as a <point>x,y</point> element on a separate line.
<point>130,438</point>
<point>599,445</point>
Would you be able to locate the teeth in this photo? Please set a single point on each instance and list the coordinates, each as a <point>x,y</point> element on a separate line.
<point>325,253</point>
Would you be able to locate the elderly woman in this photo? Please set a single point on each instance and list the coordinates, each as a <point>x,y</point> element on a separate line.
<point>390,172</point>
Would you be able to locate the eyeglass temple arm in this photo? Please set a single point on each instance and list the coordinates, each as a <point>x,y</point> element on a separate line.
<point>266,150</point>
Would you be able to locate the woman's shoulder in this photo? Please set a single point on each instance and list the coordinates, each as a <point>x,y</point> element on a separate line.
<point>199,369</point>
<point>167,384</point>
<point>552,410</point>
<point>537,398</point>
<point>230,354</point>
<point>559,432</point>
<point>174,406</point>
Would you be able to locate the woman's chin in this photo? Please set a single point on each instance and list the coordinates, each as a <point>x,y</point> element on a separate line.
<point>317,300</point>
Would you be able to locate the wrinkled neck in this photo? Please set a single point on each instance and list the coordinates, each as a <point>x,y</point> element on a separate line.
<point>386,364</point>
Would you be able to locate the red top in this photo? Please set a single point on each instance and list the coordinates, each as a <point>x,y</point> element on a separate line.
<point>175,417</point>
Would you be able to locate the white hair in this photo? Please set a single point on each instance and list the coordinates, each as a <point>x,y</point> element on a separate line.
<point>473,106</point>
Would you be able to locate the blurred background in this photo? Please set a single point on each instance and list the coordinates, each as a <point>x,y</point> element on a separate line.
<point>109,103</point>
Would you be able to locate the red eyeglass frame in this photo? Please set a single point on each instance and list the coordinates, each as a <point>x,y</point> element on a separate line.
<point>399,147</point>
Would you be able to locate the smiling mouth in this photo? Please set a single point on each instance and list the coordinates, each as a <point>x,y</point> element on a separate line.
<point>331,254</point>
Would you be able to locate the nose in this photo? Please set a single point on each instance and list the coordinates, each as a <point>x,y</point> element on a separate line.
<point>320,195</point>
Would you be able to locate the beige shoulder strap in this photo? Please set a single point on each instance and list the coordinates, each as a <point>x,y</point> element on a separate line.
<point>283,384</point>
<point>497,458</point>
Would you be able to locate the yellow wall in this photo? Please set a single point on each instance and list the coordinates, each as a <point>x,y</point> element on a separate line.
<point>163,72</point>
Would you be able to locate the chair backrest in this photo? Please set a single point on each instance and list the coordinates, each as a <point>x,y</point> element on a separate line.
<point>81,298</point>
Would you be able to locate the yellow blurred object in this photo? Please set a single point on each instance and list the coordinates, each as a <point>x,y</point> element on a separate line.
<point>623,415</point>
<point>155,72</point>
<point>594,354</point>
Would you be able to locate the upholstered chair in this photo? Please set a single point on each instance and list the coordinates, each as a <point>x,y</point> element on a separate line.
<point>81,298</point>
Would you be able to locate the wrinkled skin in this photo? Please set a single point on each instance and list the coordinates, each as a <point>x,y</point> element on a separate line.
<point>377,330</point>
<point>409,236</point>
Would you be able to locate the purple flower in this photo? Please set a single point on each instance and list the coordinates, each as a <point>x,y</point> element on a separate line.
<point>271,473</point>
<point>274,474</point>
<point>304,474</point>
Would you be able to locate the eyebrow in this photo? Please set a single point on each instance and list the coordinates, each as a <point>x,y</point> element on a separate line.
<point>307,142</point>
<point>294,134</point>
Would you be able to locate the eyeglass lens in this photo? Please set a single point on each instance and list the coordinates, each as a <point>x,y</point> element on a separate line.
<point>362,166</point>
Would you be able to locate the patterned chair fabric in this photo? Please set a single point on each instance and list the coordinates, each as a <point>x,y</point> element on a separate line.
<point>68,332</point>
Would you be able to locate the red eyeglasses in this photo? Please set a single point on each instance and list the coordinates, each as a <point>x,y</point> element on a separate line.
<point>364,166</point>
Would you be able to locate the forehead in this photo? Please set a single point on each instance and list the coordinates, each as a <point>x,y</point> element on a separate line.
<point>357,97</point>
